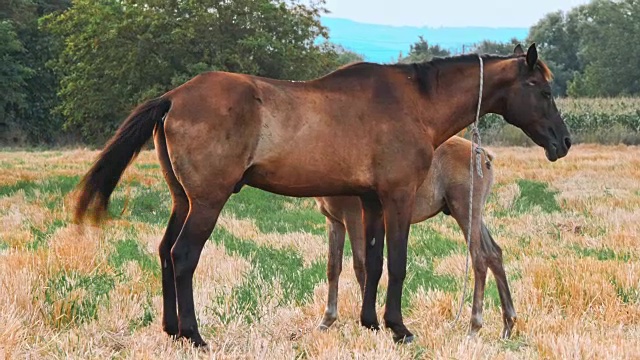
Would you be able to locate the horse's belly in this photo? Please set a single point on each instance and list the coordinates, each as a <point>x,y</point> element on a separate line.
<point>297,177</point>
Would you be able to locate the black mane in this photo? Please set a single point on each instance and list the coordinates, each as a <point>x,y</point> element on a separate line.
<point>420,71</point>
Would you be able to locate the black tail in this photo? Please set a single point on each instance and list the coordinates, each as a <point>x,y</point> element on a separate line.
<point>98,184</point>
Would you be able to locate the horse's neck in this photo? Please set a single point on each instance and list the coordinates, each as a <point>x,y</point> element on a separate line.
<point>457,99</point>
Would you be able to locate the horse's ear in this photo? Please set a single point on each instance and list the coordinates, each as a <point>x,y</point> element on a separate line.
<point>518,50</point>
<point>532,56</point>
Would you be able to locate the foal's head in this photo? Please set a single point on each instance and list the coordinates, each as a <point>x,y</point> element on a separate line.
<point>529,104</point>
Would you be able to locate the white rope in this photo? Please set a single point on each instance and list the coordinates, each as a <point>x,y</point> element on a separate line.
<point>477,149</point>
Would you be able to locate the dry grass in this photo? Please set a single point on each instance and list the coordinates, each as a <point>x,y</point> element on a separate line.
<point>94,293</point>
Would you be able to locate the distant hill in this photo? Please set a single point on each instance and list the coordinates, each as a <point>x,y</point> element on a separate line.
<point>383,43</point>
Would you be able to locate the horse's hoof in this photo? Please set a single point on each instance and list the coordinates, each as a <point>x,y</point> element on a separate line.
<point>170,330</point>
<point>195,340</point>
<point>322,327</point>
<point>371,326</point>
<point>403,339</point>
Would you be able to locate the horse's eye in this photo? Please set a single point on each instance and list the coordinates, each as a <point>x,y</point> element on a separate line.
<point>546,94</point>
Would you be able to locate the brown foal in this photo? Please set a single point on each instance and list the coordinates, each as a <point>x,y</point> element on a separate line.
<point>445,189</point>
<point>365,130</point>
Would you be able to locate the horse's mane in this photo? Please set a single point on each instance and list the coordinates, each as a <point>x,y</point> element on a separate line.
<point>421,70</point>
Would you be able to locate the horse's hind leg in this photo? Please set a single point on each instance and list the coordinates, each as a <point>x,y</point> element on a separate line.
<point>494,260</point>
<point>334,268</point>
<point>200,222</point>
<point>174,226</point>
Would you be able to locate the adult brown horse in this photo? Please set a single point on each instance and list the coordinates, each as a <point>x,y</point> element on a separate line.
<point>445,189</point>
<point>366,130</point>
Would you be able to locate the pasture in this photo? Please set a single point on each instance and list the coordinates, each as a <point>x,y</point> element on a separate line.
<point>569,231</point>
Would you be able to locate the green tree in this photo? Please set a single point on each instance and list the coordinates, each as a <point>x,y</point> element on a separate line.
<point>558,38</point>
<point>496,47</point>
<point>343,56</point>
<point>119,52</point>
<point>13,74</point>
<point>610,50</point>
<point>39,86</point>
<point>423,51</point>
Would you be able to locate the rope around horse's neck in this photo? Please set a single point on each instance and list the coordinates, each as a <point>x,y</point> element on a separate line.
<point>476,147</point>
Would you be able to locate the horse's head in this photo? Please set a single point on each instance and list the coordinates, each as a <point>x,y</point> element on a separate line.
<point>529,104</point>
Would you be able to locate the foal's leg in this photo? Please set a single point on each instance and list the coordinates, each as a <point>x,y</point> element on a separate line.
<point>459,205</point>
<point>356,237</point>
<point>397,216</point>
<point>176,221</point>
<point>186,254</point>
<point>493,254</point>
<point>334,268</point>
<point>374,244</point>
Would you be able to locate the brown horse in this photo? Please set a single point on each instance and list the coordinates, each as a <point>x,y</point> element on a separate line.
<point>445,189</point>
<point>365,130</point>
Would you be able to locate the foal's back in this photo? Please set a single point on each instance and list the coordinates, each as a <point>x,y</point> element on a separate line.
<point>448,172</point>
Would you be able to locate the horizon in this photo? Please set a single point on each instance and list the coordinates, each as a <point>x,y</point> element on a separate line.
<point>454,13</point>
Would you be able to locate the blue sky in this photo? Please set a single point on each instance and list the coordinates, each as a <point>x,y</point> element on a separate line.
<point>494,13</point>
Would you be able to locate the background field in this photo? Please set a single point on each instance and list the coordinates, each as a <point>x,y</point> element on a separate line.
<point>608,121</point>
<point>569,232</point>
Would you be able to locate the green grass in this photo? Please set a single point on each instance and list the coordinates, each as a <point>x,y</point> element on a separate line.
<point>51,189</point>
<point>532,194</point>
<point>425,245</point>
<point>627,295</point>
<point>41,238</point>
<point>296,280</point>
<point>147,317</point>
<point>274,213</point>
<point>601,254</point>
<point>535,193</point>
<point>131,250</point>
<point>60,287</point>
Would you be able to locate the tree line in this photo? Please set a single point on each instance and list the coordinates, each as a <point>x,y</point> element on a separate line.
<point>74,68</point>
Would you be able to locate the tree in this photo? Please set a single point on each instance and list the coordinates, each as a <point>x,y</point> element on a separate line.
<point>559,40</point>
<point>422,51</point>
<point>609,49</point>
<point>38,85</point>
<point>343,56</point>
<point>120,52</point>
<point>13,74</point>
<point>495,47</point>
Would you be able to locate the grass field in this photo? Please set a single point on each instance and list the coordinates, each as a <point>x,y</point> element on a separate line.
<point>569,230</point>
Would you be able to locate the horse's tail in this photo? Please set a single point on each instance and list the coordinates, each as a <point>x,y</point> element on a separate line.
<point>98,184</point>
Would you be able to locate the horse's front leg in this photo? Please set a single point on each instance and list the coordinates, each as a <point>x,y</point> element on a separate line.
<point>374,244</point>
<point>397,207</point>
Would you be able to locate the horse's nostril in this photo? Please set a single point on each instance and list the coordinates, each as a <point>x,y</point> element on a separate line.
<point>567,142</point>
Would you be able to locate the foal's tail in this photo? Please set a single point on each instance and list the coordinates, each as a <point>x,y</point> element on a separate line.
<point>98,184</point>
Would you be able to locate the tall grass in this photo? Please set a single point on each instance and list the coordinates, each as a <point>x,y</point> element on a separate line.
<point>590,120</point>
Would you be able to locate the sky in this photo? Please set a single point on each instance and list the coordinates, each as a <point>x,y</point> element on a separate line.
<point>493,13</point>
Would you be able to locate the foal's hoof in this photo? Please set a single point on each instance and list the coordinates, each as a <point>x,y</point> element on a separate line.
<point>326,322</point>
<point>403,339</point>
<point>509,324</point>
